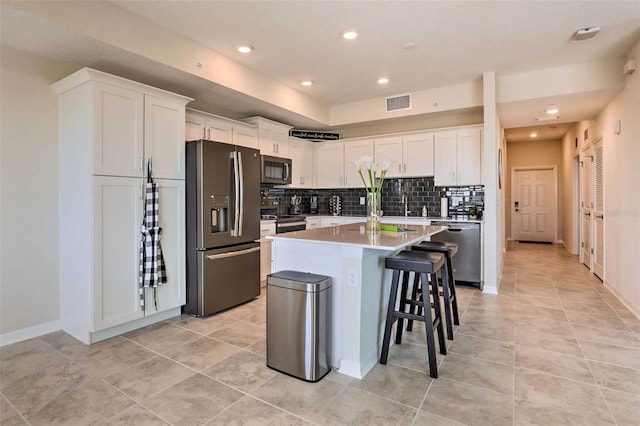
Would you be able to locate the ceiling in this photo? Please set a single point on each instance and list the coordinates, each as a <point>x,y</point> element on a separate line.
<point>455,42</point>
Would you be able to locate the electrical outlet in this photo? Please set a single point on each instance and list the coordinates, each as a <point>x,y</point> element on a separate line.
<point>353,280</point>
<point>362,201</point>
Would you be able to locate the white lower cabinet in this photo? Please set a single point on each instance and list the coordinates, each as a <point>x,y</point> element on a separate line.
<point>171,219</point>
<point>314,222</point>
<point>118,207</point>
<point>266,228</point>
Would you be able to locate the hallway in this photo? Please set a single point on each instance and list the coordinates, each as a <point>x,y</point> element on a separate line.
<point>555,347</point>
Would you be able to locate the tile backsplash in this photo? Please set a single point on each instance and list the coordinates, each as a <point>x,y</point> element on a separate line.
<point>419,192</point>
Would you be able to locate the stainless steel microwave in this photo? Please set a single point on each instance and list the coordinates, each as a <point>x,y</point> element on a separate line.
<point>276,170</point>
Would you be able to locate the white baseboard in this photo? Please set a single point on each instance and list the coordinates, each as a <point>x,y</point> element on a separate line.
<point>29,333</point>
<point>634,310</point>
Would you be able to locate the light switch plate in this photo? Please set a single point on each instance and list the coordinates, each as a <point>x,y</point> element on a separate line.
<point>362,201</point>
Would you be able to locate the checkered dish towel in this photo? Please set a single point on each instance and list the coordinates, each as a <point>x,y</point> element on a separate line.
<point>152,269</point>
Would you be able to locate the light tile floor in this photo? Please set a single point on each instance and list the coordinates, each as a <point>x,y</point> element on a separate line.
<point>555,347</point>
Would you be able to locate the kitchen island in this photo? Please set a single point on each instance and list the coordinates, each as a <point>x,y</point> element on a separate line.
<point>354,259</point>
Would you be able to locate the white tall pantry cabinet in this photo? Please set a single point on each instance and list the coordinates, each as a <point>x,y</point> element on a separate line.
<point>109,128</point>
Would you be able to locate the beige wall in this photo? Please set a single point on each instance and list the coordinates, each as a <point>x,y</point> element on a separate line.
<point>534,153</point>
<point>622,190</point>
<point>29,192</point>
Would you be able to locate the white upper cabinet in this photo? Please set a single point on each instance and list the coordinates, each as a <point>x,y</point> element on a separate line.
<point>218,130</point>
<point>335,166</point>
<point>201,125</point>
<point>118,126</point>
<point>330,165</point>
<point>390,148</point>
<point>273,136</point>
<point>457,157</point>
<point>411,155</point>
<point>245,135</point>
<point>132,127</point>
<point>353,151</point>
<point>164,137</point>
<point>302,163</point>
<point>417,154</point>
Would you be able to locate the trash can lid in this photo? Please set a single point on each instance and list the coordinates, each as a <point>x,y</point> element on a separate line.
<point>297,280</point>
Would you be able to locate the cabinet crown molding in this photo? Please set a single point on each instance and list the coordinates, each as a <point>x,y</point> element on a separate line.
<point>86,74</point>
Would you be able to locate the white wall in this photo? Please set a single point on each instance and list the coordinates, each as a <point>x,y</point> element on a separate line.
<point>29,284</point>
<point>493,197</point>
<point>622,190</point>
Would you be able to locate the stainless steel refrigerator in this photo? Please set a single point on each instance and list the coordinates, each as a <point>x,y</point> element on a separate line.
<point>223,225</point>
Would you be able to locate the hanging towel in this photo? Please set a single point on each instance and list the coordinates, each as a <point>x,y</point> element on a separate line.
<point>152,268</point>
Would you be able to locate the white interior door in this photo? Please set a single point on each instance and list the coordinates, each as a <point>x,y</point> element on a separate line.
<point>598,210</point>
<point>533,213</point>
<point>585,206</point>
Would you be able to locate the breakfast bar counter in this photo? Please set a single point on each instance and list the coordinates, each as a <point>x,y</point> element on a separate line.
<point>354,259</point>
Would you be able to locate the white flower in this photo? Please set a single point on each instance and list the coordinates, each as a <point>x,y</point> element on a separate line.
<point>372,169</point>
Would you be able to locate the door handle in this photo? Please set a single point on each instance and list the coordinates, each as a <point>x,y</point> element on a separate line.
<point>588,214</point>
<point>232,254</point>
<point>241,196</point>
<point>600,216</point>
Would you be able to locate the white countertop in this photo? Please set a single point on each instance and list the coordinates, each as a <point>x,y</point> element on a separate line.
<point>392,219</point>
<point>356,234</point>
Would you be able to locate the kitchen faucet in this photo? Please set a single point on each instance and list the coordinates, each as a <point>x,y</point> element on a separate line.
<point>405,200</point>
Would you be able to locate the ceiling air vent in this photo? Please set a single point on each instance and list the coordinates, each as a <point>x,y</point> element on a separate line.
<point>395,103</point>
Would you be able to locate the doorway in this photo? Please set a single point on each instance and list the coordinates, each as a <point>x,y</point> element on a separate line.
<point>534,212</point>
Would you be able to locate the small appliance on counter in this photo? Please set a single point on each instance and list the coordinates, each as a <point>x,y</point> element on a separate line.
<point>335,205</point>
<point>313,204</point>
<point>295,208</point>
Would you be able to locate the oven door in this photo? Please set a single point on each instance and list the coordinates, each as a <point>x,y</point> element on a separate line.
<point>282,227</point>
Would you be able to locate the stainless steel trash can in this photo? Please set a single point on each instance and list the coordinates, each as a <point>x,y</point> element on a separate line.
<point>299,324</point>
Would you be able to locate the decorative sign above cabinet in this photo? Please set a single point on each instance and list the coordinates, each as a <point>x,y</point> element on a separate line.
<point>313,135</point>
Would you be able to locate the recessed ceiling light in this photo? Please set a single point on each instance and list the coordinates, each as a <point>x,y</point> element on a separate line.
<point>383,80</point>
<point>349,34</point>
<point>245,48</point>
<point>552,110</point>
<point>307,83</point>
<point>534,135</point>
<point>585,33</point>
<point>409,45</point>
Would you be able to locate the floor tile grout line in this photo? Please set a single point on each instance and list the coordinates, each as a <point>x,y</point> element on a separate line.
<point>604,399</point>
<point>15,408</point>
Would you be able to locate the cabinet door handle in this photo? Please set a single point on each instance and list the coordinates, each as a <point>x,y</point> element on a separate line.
<point>405,167</point>
<point>209,133</point>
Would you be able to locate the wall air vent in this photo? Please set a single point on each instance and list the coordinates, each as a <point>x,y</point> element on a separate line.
<point>399,102</point>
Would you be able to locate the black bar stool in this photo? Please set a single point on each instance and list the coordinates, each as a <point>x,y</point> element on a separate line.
<point>425,267</point>
<point>448,287</point>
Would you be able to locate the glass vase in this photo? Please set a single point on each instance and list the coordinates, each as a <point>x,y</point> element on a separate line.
<point>373,211</point>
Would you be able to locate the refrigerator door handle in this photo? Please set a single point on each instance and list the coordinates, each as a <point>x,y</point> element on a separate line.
<point>241,195</point>
<point>232,254</point>
<point>236,184</point>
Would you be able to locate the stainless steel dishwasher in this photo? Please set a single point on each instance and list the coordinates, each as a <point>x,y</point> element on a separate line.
<point>467,262</point>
